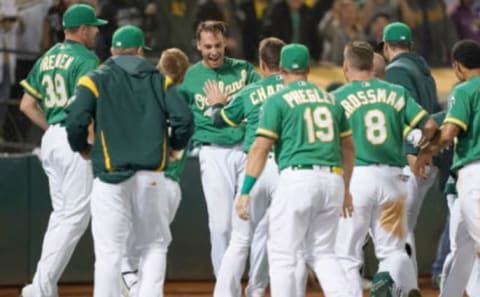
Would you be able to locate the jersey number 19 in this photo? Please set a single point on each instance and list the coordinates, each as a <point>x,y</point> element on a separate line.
<point>319,124</point>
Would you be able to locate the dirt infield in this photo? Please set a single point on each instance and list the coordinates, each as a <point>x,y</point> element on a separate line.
<point>184,289</point>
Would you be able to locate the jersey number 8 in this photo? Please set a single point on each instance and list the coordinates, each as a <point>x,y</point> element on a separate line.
<point>56,91</point>
<point>376,129</point>
<point>319,124</point>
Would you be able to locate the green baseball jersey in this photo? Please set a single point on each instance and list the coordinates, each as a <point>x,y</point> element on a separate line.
<point>246,105</point>
<point>232,76</point>
<point>306,124</point>
<point>464,112</point>
<point>380,114</point>
<point>53,78</point>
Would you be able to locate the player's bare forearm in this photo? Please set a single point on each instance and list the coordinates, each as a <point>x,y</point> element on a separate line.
<point>429,129</point>
<point>348,160</point>
<point>443,138</point>
<point>30,107</point>
<point>258,156</point>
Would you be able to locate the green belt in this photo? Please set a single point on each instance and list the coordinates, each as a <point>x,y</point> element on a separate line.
<point>332,169</point>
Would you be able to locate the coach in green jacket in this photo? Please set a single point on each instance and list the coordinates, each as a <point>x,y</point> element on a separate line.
<point>130,103</point>
<point>410,70</point>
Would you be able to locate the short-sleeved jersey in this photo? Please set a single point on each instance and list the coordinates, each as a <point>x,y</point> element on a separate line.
<point>380,114</point>
<point>53,78</point>
<point>464,112</point>
<point>306,124</point>
<point>232,76</point>
<point>246,105</point>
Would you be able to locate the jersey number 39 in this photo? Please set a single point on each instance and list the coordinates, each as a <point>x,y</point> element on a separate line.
<point>56,91</point>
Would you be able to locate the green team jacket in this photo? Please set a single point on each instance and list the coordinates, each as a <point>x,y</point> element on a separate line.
<point>130,102</point>
<point>412,72</point>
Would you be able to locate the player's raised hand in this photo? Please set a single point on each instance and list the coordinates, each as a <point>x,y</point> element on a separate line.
<point>241,206</point>
<point>347,209</point>
<point>213,93</point>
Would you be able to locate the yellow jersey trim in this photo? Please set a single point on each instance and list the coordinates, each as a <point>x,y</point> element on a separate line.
<point>406,130</point>
<point>30,89</point>
<point>88,83</point>
<point>227,120</point>
<point>266,133</point>
<point>106,156</point>
<point>346,133</point>
<point>417,118</point>
<point>168,82</point>
<point>456,122</point>
<point>164,154</point>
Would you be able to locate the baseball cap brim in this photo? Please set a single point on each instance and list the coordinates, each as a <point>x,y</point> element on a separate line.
<point>99,22</point>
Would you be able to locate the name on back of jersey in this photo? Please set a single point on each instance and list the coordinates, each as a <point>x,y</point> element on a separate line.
<point>61,61</point>
<point>303,96</point>
<point>371,96</point>
<point>260,94</point>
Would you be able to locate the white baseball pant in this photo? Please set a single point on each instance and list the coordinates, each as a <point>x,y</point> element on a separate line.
<point>252,235</point>
<point>70,180</point>
<point>459,262</point>
<point>221,174</point>
<point>305,211</point>
<point>137,204</point>
<point>417,189</point>
<point>379,206</point>
<point>131,260</point>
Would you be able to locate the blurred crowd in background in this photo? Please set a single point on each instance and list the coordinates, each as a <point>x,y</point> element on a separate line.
<point>29,27</point>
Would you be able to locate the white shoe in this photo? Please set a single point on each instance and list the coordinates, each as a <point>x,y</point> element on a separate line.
<point>27,291</point>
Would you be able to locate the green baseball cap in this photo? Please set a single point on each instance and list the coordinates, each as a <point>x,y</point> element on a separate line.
<point>295,57</point>
<point>129,36</point>
<point>397,32</point>
<point>81,14</point>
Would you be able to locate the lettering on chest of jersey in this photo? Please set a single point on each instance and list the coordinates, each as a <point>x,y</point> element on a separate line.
<point>372,96</point>
<point>260,94</point>
<point>303,96</point>
<point>61,61</point>
<point>227,89</point>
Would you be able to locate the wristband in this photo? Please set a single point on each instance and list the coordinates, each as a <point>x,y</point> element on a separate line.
<point>248,183</point>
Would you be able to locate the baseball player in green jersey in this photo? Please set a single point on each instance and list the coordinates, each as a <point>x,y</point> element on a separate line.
<point>130,102</point>
<point>462,123</point>
<point>411,71</point>
<point>173,63</point>
<point>221,157</point>
<point>313,146</point>
<point>378,113</point>
<point>48,88</point>
<point>252,234</point>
